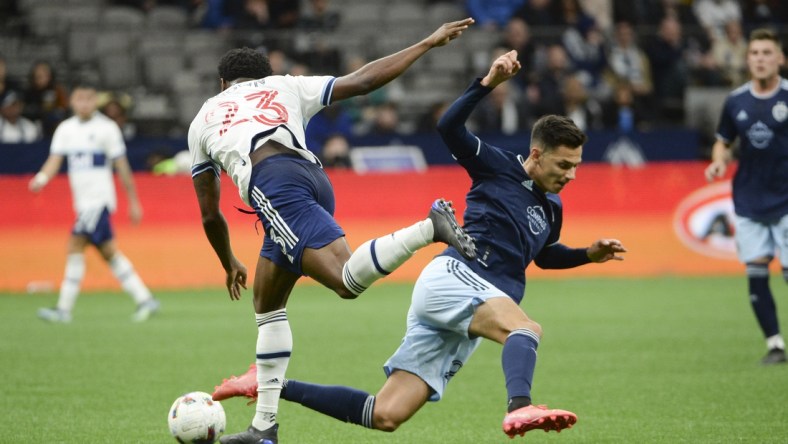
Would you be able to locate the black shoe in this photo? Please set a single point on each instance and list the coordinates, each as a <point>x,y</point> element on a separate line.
<point>448,231</point>
<point>775,356</point>
<point>252,436</point>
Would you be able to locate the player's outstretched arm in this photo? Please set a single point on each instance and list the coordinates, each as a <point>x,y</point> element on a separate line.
<point>720,156</point>
<point>207,187</point>
<point>377,73</point>
<point>127,179</point>
<point>605,250</point>
<point>48,171</point>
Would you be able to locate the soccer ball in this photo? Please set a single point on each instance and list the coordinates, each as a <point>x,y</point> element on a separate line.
<point>195,418</point>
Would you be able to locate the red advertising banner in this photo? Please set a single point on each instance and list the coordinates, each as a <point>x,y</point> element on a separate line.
<point>672,222</point>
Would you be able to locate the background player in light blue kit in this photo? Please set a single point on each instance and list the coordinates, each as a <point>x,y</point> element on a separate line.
<point>514,215</point>
<point>93,145</point>
<point>757,114</point>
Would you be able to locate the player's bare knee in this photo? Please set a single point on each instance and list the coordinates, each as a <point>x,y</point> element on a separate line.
<point>386,422</point>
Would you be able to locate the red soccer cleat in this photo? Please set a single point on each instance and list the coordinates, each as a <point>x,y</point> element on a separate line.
<point>537,417</point>
<point>244,385</point>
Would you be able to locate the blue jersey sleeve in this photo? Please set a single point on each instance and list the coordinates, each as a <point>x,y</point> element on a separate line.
<point>477,157</point>
<point>451,126</point>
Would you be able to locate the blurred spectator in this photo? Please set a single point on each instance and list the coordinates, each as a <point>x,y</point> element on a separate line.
<point>502,112</point>
<point>319,17</point>
<point>764,14</point>
<point>46,100</point>
<point>546,95</point>
<point>669,68</point>
<point>601,11</point>
<point>336,152</point>
<point>652,12</point>
<point>6,84</point>
<point>330,121</point>
<point>538,13</point>
<point>215,14</point>
<point>116,111</point>
<point>584,111</point>
<point>585,46</point>
<point>621,113</point>
<point>714,14</point>
<point>429,120</point>
<point>387,120</point>
<point>517,36</point>
<point>492,14</point>
<point>14,128</point>
<point>628,63</point>
<point>730,54</point>
<point>262,14</point>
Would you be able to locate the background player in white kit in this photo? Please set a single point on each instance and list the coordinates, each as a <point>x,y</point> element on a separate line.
<point>93,145</point>
<point>254,130</point>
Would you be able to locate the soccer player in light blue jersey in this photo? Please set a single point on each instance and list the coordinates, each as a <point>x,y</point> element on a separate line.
<point>757,114</point>
<point>514,215</point>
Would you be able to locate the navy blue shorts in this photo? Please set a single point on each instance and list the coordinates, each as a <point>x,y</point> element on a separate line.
<point>295,202</point>
<point>94,224</point>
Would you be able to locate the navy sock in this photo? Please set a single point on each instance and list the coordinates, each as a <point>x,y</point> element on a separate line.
<point>761,298</point>
<point>519,360</point>
<point>343,403</point>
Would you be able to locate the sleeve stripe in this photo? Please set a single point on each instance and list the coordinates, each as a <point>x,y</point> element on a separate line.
<point>203,167</point>
<point>478,146</point>
<point>325,98</point>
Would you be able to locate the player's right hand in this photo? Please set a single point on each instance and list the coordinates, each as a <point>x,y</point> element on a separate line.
<point>448,32</point>
<point>236,278</point>
<point>716,170</point>
<point>503,68</point>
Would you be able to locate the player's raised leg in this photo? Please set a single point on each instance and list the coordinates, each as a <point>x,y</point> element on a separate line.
<point>379,257</point>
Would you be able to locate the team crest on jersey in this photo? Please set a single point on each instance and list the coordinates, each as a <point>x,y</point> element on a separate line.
<point>780,111</point>
<point>760,135</point>
<point>537,221</point>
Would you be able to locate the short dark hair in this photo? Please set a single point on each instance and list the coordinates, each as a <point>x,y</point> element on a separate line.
<point>244,63</point>
<point>552,131</point>
<point>765,34</point>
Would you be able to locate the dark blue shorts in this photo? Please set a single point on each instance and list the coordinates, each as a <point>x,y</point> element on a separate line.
<point>94,224</point>
<point>295,202</point>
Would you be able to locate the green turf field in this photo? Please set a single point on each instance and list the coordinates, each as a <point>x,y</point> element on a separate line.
<point>665,360</point>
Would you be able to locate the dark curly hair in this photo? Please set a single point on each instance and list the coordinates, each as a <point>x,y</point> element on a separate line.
<point>242,63</point>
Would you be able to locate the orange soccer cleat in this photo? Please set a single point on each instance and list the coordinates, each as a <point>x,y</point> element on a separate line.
<point>244,385</point>
<point>537,417</point>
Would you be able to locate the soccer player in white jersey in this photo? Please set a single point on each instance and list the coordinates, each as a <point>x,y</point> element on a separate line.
<point>93,145</point>
<point>254,131</point>
<point>757,114</point>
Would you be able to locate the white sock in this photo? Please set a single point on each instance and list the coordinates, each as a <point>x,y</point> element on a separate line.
<point>72,281</point>
<point>775,341</point>
<point>379,257</point>
<point>274,345</point>
<point>129,279</point>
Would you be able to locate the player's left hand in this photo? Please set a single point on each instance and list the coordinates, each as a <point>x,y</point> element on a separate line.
<point>605,250</point>
<point>448,32</point>
<point>503,68</point>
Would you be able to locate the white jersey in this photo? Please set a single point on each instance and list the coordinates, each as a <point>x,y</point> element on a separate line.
<point>90,147</point>
<point>241,118</point>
